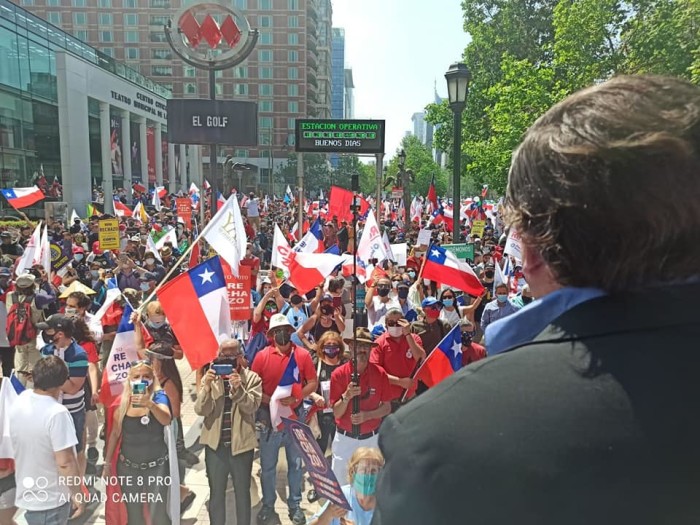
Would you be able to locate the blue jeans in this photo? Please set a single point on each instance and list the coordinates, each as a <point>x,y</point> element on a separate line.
<point>270,443</point>
<point>57,516</point>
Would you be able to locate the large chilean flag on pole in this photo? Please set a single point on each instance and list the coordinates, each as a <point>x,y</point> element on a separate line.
<point>444,361</point>
<point>444,267</point>
<point>308,270</point>
<point>23,197</point>
<point>193,305</point>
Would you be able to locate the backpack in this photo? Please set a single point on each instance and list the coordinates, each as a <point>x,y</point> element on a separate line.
<point>20,329</point>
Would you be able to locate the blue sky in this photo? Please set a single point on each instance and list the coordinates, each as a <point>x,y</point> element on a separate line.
<point>397,49</point>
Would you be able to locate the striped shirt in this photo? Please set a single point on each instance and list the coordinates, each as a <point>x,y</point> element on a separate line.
<point>76,360</point>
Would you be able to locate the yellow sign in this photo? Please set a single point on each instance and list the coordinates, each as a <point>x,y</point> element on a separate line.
<point>109,234</point>
<point>478,228</point>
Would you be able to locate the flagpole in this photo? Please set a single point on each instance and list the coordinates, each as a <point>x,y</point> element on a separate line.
<point>355,373</point>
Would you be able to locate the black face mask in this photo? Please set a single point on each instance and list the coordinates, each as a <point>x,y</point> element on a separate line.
<point>282,337</point>
<point>383,292</point>
<point>527,300</point>
<point>48,338</point>
<point>295,300</point>
<point>467,338</point>
<point>403,293</point>
<point>488,275</point>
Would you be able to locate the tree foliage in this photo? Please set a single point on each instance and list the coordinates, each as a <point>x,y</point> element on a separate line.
<point>419,159</point>
<point>526,55</point>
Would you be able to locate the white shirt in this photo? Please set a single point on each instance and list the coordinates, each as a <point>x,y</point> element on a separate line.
<point>95,326</point>
<point>253,208</point>
<point>39,427</point>
<point>452,318</point>
<point>377,310</point>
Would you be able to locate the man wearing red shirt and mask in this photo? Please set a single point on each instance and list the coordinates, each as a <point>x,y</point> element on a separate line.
<point>375,397</point>
<point>398,351</point>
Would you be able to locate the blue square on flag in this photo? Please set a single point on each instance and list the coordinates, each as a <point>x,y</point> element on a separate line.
<point>208,276</point>
<point>437,254</point>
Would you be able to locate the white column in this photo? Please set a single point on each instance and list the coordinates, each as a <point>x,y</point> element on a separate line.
<point>183,168</point>
<point>158,133</point>
<point>126,153</point>
<point>106,150</point>
<point>143,149</point>
<point>172,176</point>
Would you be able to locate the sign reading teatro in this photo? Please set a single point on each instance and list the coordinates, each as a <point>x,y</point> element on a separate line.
<point>339,136</point>
<point>228,122</point>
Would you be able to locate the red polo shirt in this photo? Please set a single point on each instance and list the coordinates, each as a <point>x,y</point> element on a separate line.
<point>395,356</point>
<point>374,389</point>
<point>253,262</point>
<point>270,364</point>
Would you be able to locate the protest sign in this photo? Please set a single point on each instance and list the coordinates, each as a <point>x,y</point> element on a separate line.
<point>461,251</point>
<point>238,291</point>
<point>399,251</point>
<point>478,228</point>
<point>109,234</point>
<point>184,210</point>
<point>514,246</point>
<point>424,237</point>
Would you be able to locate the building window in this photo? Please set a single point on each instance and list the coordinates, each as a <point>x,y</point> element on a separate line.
<point>265,90</point>
<point>81,35</point>
<point>78,3</point>
<point>190,71</point>
<point>293,39</point>
<point>291,139</point>
<point>265,122</point>
<point>190,88</point>
<point>293,21</point>
<point>109,51</point>
<point>240,89</point>
<point>28,2</point>
<point>105,4</point>
<point>241,72</point>
<point>106,36</point>
<point>265,106</point>
<point>131,53</point>
<point>131,19</point>
<point>265,21</point>
<point>265,55</point>
<point>265,73</point>
<point>219,88</point>
<point>133,4</point>
<point>263,154</point>
<point>158,36</point>
<point>53,3</point>
<point>292,56</point>
<point>293,90</point>
<point>105,19</point>
<point>158,20</point>
<point>160,3</point>
<point>219,74</point>
<point>161,71</point>
<point>54,17</point>
<point>131,37</point>
<point>293,5</point>
<point>241,153</point>
<point>293,106</point>
<point>266,38</point>
<point>293,73</point>
<point>79,19</point>
<point>265,4</point>
<point>291,123</point>
<point>162,53</point>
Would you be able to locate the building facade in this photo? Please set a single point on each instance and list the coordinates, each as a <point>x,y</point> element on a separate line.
<point>70,114</point>
<point>349,98</point>
<point>288,73</point>
<point>338,73</point>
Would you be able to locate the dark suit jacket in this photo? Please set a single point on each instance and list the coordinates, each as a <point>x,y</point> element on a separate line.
<point>597,421</point>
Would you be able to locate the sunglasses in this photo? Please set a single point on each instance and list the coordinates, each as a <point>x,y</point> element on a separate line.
<point>448,296</point>
<point>146,362</point>
<point>392,323</point>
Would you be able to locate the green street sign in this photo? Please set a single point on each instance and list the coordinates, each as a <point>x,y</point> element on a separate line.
<point>461,251</point>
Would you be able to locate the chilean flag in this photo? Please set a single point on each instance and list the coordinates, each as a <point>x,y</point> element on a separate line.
<point>444,267</point>
<point>193,305</point>
<point>220,201</point>
<point>23,197</point>
<point>139,187</point>
<point>308,270</point>
<point>312,242</point>
<point>443,361</point>
<point>121,209</point>
<point>289,385</point>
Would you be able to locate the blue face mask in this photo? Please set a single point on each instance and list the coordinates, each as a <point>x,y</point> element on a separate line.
<point>448,302</point>
<point>502,297</point>
<point>365,484</point>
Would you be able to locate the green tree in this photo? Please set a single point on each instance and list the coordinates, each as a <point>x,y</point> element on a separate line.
<point>317,172</point>
<point>419,159</point>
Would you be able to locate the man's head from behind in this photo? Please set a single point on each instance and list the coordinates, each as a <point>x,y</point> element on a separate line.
<point>604,188</point>
<point>49,374</point>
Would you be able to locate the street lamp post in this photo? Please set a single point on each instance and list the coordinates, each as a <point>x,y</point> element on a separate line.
<point>458,77</point>
<point>405,176</point>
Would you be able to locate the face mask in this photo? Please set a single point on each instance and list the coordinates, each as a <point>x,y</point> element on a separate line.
<point>403,293</point>
<point>365,484</point>
<point>150,260</point>
<point>331,351</point>
<point>394,284</point>
<point>95,273</point>
<point>488,275</point>
<point>144,237</point>
<point>412,275</point>
<point>432,313</point>
<point>71,311</point>
<point>395,331</point>
<point>466,338</point>
<point>78,257</point>
<point>282,337</point>
<point>526,300</point>
<point>448,302</point>
<point>144,287</point>
<point>502,297</point>
<point>48,338</point>
<point>156,322</point>
<point>383,292</point>
<point>295,300</point>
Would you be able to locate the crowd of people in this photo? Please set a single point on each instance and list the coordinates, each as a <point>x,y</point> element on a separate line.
<point>56,336</point>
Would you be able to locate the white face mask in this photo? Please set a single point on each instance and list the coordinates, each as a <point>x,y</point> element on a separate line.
<point>150,260</point>
<point>395,331</point>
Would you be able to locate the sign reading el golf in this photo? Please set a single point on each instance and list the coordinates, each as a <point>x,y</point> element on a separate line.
<point>227,122</point>
<point>339,136</point>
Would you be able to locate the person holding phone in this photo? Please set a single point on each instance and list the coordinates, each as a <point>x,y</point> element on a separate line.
<point>230,395</point>
<point>137,432</point>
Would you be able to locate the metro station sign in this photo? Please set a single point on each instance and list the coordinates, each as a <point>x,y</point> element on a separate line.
<point>339,136</point>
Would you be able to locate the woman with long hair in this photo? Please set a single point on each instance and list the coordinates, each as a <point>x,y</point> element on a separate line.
<point>137,433</point>
<point>329,355</point>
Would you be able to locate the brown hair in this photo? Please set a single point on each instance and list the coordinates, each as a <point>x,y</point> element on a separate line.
<point>606,184</point>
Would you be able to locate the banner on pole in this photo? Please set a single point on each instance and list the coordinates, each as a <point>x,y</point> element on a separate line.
<point>184,210</point>
<point>238,291</point>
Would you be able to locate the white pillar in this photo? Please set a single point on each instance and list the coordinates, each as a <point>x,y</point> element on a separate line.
<point>126,153</point>
<point>158,133</point>
<point>172,176</point>
<point>143,149</point>
<point>183,168</point>
<point>106,150</point>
